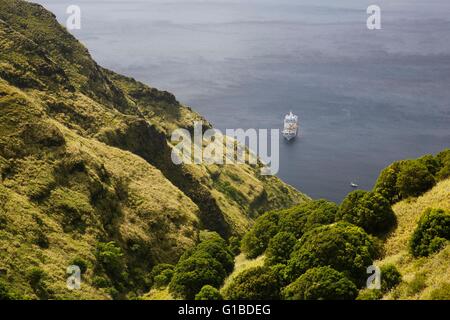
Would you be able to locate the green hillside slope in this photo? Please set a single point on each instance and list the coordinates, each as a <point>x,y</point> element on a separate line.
<point>85,160</point>
<point>425,275</point>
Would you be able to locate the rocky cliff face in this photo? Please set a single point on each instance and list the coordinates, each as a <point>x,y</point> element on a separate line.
<point>85,159</point>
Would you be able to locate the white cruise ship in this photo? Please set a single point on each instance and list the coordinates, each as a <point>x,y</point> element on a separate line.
<point>290,126</point>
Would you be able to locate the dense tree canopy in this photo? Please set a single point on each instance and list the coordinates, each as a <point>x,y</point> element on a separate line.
<point>368,210</point>
<point>161,274</point>
<point>443,158</point>
<point>299,219</point>
<point>208,293</point>
<point>195,272</point>
<point>259,283</point>
<point>296,220</point>
<point>432,232</point>
<point>218,251</point>
<point>321,283</point>
<point>206,264</point>
<point>257,239</point>
<point>342,246</point>
<point>280,248</point>
<point>414,179</point>
<point>411,178</point>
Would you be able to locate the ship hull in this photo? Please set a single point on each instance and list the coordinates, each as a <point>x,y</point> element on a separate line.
<point>289,136</point>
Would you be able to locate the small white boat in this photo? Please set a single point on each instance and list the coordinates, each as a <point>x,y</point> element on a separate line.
<point>353,185</point>
<point>291,126</point>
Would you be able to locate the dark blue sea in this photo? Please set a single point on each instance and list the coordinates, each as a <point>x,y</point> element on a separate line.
<point>364,97</point>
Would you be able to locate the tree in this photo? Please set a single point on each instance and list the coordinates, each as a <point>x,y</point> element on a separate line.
<point>219,251</point>
<point>432,163</point>
<point>432,232</point>
<point>322,283</point>
<point>208,293</point>
<point>296,220</point>
<point>321,212</point>
<point>259,283</point>
<point>342,246</point>
<point>443,159</point>
<point>303,217</point>
<point>215,246</point>
<point>161,274</point>
<point>280,248</point>
<point>414,179</point>
<point>368,210</point>
<point>386,184</point>
<point>195,272</point>
<point>255,241</point>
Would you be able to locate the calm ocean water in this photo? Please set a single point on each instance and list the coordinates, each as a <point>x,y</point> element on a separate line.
<point>364,98</point>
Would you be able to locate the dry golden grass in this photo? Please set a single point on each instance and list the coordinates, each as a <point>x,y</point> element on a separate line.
<point>158,294</point>
<point>242,264</point>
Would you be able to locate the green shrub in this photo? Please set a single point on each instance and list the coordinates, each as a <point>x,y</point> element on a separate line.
<point>322,283</point>
<point>41,239</point>
<point>206,264</point>
<point>280,248</point>
<point>36,277</point>
<point>321,212</point>
<point>369,294</point>
<point>259,283</point>
<point>114,293</point>
<point>255,241</point>
<point>432,232</point>
<point>217,250</point>
<point>81,263</point>
<point>432,163</point>
<point>110,257</point>
<point>213,245</point>
<point>208,293</point>
<point>161,274</point>
<point>101,282</point>
<point>342,246</point>
<point>163,279</point>
<point>414,179</point>
<point>279,271</point>
<point>368,210</point>
<point>195,272</point>
<point>390,277</point>
<point>443,158</point>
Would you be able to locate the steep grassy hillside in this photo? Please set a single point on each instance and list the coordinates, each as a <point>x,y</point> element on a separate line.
<point>85,160</point>
<point>423,276</point>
